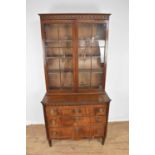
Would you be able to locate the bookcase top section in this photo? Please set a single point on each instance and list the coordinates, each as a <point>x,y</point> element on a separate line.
<point>97,16</point>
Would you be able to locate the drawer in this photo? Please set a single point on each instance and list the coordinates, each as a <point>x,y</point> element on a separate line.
<point>60,133</point>
<point>73,110</point>
<point>66,121</point>
<point>97,120</point>
<point>65,110</point>
<point>54,122</point>
<point>97,110</point>
<point>82,132</point>
<point>82,121</point>
<point>98,131</point>
<point>52,111</point>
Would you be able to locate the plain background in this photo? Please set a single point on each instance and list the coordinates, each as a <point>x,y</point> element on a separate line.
<point>117,85</point>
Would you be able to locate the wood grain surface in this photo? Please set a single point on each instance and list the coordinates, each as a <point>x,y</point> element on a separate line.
<point>116,142</point>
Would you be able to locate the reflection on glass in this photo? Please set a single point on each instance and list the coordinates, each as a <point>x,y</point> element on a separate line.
<point>53,64</point>
<point>84,62</point>
<point>91,50</point>
<point>66,79</point>
<point>96,80</point>
<point>84,79</point>
<point>65,63</point>
<point>102,54</point>
<point>54,80</point>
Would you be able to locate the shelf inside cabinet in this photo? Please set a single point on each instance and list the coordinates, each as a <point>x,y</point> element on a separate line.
<point>58,43</point>
<point>91,70</point>
<point>58,56</point>
<point>59,88</point>
<point>91,43</point>
<point>58,71</point>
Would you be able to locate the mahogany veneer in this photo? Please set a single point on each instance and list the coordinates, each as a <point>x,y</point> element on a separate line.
<point>75,58</point>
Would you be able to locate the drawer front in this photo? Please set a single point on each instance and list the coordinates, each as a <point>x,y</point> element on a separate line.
<point>52,111</point>
<point>98,131</point>
<point>65,111</point>
<point>59,133</point>
<point>95,120</point>
<point>66,121</point>
<point>82,132</point>
<point>54,122</point>
<point>96,110</point>
<point>81,121</point>
<point>74,110</point>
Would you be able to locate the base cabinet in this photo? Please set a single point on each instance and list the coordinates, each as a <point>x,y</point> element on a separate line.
<point>75,120</point>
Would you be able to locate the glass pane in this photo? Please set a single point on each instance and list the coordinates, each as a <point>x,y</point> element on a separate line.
<point>58,43</point>
<point>91,42</point>
<point>99,31</point>
<point>66,79</point>
<point>84,31</point>
<point>65,32</point>
<point>96,80</point>
<point>53,64</point>
<point>54,51</point>
<point>96,63</point>
<point>95,51</point>
<point>54,80</point>
<point>66,63</point>
<point>51,31</point>
<point>58,32</point>
<point>84,79</point>
<point>84,62</point>
<point>84,51</point>
<point>65,43</point>
<point>66,51</point>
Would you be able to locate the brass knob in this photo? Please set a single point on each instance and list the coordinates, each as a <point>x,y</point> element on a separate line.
<point>53,111</point>
<point>53,122</point>
<point>77,118</point>
<point>101,110</point>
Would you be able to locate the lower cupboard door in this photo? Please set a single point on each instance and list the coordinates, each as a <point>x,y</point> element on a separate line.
<point>61,133</point>
<point>82,132</point>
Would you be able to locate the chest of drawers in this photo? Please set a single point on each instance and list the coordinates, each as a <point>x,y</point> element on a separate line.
<point>76,118</point>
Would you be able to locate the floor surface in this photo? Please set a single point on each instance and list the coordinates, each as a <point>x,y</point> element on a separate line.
<point>116,142</point>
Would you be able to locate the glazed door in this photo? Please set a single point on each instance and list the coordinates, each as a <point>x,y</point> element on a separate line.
<point>91,55</point>
<point>58,43</point>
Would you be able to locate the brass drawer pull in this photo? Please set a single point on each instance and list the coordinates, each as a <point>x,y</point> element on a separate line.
<point>77,118</point>
<point>53,111</point>
<point>101,110</point>
<point>53,122</point>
